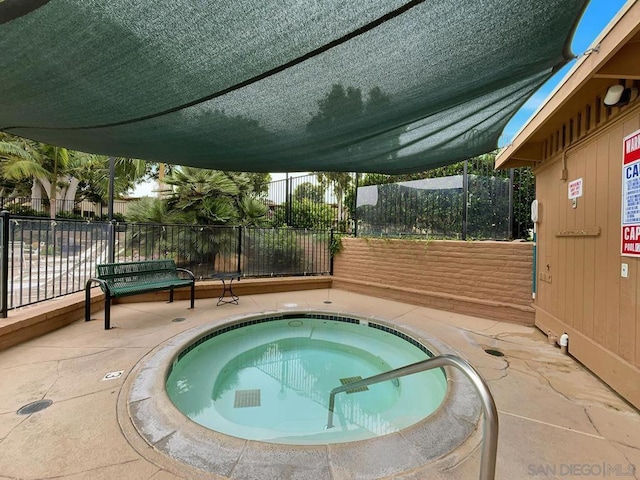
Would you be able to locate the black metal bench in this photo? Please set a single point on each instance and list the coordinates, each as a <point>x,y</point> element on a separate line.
<point>132,278</point>
<point>227,287</point>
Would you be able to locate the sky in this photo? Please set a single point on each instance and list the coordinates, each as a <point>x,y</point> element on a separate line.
<point>596,17</point>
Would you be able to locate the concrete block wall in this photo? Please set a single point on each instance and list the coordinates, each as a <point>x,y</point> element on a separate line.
<point>486,279</point>
<point>30,322</point>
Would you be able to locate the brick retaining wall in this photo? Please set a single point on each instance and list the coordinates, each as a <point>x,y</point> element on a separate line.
<point>486,279</point>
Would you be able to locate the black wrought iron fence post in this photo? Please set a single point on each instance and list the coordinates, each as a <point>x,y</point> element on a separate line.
<point>112,181</point>
<point>331,250</point>
<point>355,207</point>
<point>111,246</point>
<point>240,248</point>
<point>287,201</point>
<point>511,219</point>
<point>4,271</point>
<point>465,198</point>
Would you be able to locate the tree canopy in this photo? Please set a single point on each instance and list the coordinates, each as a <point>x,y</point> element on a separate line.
<point>205,197</point>
<point>55,173</point>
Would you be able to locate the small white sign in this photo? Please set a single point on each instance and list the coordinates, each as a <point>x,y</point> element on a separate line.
<point>113,375</point>
<point>575,188</point>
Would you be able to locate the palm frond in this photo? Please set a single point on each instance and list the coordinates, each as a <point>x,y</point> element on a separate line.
<point>14,150</point>
<point>18,169</point>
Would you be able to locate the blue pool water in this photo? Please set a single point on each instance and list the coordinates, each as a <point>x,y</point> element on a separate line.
<point>271,381</point>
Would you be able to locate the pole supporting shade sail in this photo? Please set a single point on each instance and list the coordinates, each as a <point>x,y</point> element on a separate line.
<point>253,85</point>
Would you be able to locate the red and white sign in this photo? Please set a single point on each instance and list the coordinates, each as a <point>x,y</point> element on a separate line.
<point>575,189</point>
<point>631,195</point>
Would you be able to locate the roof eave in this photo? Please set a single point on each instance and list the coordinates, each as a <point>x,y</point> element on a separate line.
<point>613,38</point>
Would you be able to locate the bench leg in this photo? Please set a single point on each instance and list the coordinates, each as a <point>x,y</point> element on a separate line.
<point>87,303</point>
<point>107,312</point>
<point>171,295</point>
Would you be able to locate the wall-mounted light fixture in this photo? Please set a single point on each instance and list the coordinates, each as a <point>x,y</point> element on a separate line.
<point>617,95</point>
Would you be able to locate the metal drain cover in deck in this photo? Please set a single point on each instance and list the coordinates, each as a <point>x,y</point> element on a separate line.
<point>247,398</point>
<point>34,407</point>
<point>348,380</point>
<point>494,352</point>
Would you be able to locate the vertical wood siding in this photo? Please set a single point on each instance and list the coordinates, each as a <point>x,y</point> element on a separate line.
<point>580,288</point>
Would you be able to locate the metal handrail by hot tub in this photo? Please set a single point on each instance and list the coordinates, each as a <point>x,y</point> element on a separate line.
<point>490,422</point>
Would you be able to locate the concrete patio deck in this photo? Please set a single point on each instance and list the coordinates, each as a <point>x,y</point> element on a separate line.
<point>556,419</point>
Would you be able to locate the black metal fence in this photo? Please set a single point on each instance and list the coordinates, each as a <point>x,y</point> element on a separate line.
<point>78,209</point>
<point>469,200</point>
<point>466,200</point>
<point>436,207</point>
<point>305,202</point>
<point>206,249</point>
<point>43,259</point>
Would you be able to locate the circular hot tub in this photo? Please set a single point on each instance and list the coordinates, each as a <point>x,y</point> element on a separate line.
<point>252,393</point>
<point>270,380</point>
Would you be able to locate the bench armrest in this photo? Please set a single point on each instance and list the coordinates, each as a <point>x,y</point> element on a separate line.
<point>103,285</point>
<point>87,296</point>
<point>188,272</point>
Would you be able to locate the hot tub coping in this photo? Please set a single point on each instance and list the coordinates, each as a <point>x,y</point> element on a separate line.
<point>150,419</point>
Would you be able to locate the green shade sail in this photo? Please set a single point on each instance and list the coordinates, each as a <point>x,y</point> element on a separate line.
<point>295,85</point>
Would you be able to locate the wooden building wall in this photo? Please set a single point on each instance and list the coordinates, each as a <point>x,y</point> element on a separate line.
<point>580,288</point>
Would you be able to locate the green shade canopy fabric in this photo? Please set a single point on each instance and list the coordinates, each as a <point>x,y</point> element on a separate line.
<point>295,85</point>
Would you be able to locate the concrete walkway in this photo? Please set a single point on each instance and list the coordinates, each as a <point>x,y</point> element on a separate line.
<point>557,421</point>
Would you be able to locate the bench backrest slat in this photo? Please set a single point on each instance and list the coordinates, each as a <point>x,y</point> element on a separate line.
<point>137,272</point>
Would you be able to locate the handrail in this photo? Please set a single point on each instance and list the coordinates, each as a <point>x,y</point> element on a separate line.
<point>490,422</point>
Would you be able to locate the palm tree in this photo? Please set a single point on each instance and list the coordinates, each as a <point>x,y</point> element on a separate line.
<point>49,167</point>
<point>203,196</point>
<point>58,163</point>
<point>150,210</point>
<point>94,176</point>
<point>60,173</point>
<point>211,200</point>
<point>253,212</point>
<point>14,150</point>
<point>45,164</point>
